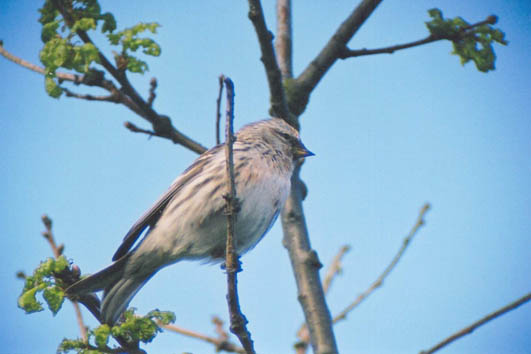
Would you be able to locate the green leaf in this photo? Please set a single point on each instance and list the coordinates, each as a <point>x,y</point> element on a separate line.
<point>499,36</point>
<point>52,89</point>
<point>84,24</point>
<point>435,13</point>
<point>165,317</point>
<point>87,8</point>
<point>145,328</point>
<point>136,65</point>
<point>109,23</point>
<point>54,297</point>
<point>48,12</point>
<point>61,264</point>
<point>68,345</point>
<point>28,301</point>
<point>101,335</point>
<point>470,43</point>
<point>49,30</point>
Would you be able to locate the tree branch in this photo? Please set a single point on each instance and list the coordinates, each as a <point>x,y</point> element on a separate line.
<point>379,281</point>
<point>279,107</point>
<point>306,265</point>
<point>108,98</point>
<point>318,67</point>
<point>284,40</point>
<point>152,94</point>
<point>57,252</point>
<point>238,321</point>
<point>334,269</point>
<point>88,80</point>
<point>349,53</point>
<point>221,344</point>
<point>218,110</point>
<point>475,325</point>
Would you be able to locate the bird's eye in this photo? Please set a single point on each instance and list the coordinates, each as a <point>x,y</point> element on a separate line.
<point>287,136</point>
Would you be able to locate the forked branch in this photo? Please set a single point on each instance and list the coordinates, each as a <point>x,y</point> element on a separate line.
<point>279,106</point>
<point>350,53</point>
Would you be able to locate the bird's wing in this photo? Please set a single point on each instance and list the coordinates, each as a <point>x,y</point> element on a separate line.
<point>150,217</point>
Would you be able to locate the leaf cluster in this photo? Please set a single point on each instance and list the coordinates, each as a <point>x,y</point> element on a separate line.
<point>132,329</point>
<point>44,280</point>
<point>470,42</point>
<point>63,21</point>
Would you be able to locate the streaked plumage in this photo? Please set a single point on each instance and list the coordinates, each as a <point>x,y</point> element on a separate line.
<point>188,221</point>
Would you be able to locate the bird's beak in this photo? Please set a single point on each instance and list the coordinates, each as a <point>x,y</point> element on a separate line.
<point>301,151</point>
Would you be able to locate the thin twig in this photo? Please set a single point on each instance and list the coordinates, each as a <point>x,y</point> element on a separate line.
<point>238,321</point>
<point>279,107</point>
<point>475,325</point>
<point>136,129</point>
<point>218,323</point>
<point>38,69</point>
<point>152,94</point>
<point>57,252</point>
<point>108,85</point>
<point>335,268</point>
<point>349,53</point>
<point>220,344</point>
<point>379,281</point>
<point>218,110</point>
<point>108,98</point>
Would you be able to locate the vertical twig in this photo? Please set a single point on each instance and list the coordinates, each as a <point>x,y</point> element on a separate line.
<point>238,321</point>
<point>284,39</point>
<point>218,110</point>
<point>334,268</point>
<point>57,251</point>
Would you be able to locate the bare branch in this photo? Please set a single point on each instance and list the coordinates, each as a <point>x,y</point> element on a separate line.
<point>284,40</point>
<point>57,252</point>
<point>161,124</point>
<point>36,68</point>
<point>379,281</point>
<point>218,110</point>
<point>475,325</point>
<point>334,269</point>
<point>220,344</point>
<point>349,53</point>
<point>108,98</point>
<point>305,264</point>
<point>279,107</point>
<point>318,67</point>
<point>133,128</point>
<point>238,321</point>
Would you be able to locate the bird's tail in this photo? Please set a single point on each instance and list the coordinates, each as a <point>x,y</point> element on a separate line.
<point>118,288</point>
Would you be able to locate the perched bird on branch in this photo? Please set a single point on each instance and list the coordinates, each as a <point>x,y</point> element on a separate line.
<point>189,221</point>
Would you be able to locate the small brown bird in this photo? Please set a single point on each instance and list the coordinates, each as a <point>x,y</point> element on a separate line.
<point>188,221</point>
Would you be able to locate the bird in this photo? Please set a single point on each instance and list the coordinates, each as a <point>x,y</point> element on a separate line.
<point>189,221</point>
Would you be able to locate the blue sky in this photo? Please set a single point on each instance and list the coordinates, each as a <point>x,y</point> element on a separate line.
<point>390,132</point>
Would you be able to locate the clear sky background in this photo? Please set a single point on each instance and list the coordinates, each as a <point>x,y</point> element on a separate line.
<point>390,132</point>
